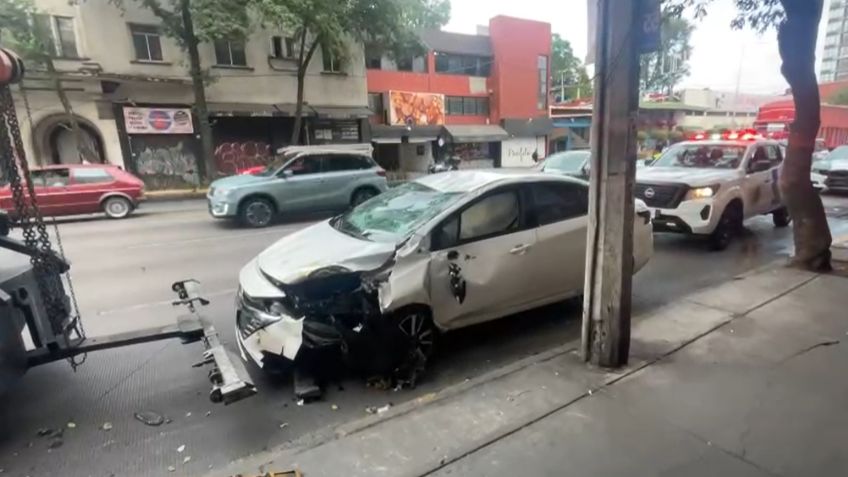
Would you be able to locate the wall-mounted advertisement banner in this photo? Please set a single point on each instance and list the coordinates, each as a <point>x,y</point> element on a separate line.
<point>416,109</point>
<point>158,121</point>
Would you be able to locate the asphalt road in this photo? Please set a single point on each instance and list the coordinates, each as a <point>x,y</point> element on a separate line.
<point>122,271</point>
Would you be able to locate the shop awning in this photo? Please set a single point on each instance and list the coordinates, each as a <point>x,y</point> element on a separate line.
<point>250,109</point>
<point>540,126</point>
<point>476,133</point>
<point>383,134</point>
<point>340,112</point>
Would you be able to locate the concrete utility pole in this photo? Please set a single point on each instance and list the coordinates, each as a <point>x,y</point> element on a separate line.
<point>609,251</point>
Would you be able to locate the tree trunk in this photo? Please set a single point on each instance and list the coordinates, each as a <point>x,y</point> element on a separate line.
<point>797,41</point>
<point>305,57</point>
<point>76,134</point>
<point>206,163</point>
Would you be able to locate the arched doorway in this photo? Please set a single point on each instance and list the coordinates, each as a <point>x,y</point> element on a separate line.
<point>55,142</point>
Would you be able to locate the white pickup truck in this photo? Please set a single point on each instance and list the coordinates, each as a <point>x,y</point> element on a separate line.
<point>711,187</point>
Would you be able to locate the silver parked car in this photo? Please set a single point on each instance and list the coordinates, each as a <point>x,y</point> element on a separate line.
<point>302,179</point>
<point>444,252</point>
<point>573,163</point>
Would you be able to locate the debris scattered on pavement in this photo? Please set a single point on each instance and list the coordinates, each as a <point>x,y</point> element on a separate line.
<point>334,407</point>
<point>512,397</point>
<point>107,426</point>
<point>56,443</point>
<point>187,459</point>
<point>208,413</point>
<point>168,420</point>
<point>181,448</point>
<point>300,402</point>
<point>150,418</point>
<point>385,408</point>
<point>188,414</point>
<point>171,468</point>
<point>72,425</point>
<point>371,409</point>
<point>590,392</point>
<point>284,425</point>
<point>44,432</point>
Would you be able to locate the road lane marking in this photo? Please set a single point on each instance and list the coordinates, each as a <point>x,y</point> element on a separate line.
<point>217,237</point>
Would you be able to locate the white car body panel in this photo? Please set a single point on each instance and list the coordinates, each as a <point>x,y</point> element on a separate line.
<point>503,275</point>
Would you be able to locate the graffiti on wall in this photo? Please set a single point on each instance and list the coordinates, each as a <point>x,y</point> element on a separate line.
<point>166,166</point>
<point>235,156</point>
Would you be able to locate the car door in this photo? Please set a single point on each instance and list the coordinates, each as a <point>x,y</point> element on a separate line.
<point>759,182</point>
<point>51,190</point>
<point>297,187</point>
<point>88,184</point>
<point>342,174</point>
<point>559,212</point>
<point>480,260</point>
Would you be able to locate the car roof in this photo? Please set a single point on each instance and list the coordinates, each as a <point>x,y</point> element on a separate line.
<point>475,179</point>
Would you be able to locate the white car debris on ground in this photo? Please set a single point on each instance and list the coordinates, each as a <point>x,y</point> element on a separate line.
<point>441,253</point>
<point>711,187</point>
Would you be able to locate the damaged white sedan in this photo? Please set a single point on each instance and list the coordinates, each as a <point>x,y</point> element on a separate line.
<point>449,250</point>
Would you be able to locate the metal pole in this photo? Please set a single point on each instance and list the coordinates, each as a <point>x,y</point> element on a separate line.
<point>609,251</point>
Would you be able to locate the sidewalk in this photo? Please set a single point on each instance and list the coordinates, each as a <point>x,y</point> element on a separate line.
<point>175,194</point>
<point>745,379</point>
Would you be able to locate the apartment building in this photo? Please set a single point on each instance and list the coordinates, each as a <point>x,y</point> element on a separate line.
<point>834,65</point>
<point>131,94</point>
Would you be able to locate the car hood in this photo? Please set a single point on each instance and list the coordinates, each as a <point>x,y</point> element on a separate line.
<point>836,165</point>
<point>684,175</point>
<point>237,181</point>
<point>295,257</point>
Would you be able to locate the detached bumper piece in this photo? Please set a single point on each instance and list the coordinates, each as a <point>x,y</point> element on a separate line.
<point>230,381</point>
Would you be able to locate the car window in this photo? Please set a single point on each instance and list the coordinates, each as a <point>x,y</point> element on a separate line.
<point>774,155</point>
<point>553,202</point>
<point>50,177</point>
<point>341,162</point>
<point>496,214</point>
<point>716,156</point>
<point>92,176</point>
<point>305,165</point>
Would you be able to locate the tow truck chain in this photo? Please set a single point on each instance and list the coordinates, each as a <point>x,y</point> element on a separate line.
<point>46,271</point>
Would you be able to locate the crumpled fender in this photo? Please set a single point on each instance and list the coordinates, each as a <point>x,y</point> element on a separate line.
<point>408,281</point>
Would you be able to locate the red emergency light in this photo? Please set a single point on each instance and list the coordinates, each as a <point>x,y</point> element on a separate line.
<point>728,135</point>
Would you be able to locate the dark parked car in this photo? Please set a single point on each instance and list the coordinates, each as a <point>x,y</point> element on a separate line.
<point>81,189</point>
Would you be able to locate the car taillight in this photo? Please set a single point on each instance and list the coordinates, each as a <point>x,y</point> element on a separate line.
<point>381,173</point>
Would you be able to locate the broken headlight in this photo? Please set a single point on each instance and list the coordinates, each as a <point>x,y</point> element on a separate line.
<point>255,314</point>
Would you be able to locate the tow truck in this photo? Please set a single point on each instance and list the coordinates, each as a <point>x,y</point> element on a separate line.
<point>709,185</point>
<point>39,320</point>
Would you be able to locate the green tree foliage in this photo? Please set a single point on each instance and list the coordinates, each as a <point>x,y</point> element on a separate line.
<point>190,23</point>
<point>390,26</point>
<point>661,71</point>
<point>570,80</point>
<point>22,32</point>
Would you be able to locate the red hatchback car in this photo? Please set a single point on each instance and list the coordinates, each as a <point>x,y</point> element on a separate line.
<point>81,189</point>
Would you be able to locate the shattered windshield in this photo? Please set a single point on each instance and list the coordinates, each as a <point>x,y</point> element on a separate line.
<point>705,156</point>
<point>395,214</point>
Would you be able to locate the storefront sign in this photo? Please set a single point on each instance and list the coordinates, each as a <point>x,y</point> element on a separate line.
<point>518,152</point>
<point>416,109</point>
<point>158,120</point>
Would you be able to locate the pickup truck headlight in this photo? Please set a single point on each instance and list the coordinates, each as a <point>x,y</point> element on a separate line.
<point>702,192</point>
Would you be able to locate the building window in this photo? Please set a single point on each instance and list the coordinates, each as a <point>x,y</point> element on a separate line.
<point>282,47</point>
<point>60,32</point>
<point>543,82</point>
<point>451,64</point>
<point>375,103</point>
<point>467,106</point>
<point>146,43</point>
<point>230,53</point>
<point>373,58</point>
<point>332,64</point>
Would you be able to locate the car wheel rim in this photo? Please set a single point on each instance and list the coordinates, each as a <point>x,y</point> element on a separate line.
<point>258,213</point>
<point>117,208</point>
<point>417,328</point>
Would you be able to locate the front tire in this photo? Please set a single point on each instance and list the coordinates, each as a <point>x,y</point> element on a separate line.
<point>781,217</point>
<point>728,226</point>
<point>117,207</point>
<point>256,212</point>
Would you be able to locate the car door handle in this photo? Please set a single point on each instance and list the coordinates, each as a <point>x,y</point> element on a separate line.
<point>519,249</point>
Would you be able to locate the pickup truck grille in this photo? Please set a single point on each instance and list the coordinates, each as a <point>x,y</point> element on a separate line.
<point>663,196</point>
<point>837,179</point>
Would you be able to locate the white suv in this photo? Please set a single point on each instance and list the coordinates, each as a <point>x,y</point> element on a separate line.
<point>709,188</point>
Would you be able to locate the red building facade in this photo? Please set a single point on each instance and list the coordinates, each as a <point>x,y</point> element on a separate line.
<point>483,99</point>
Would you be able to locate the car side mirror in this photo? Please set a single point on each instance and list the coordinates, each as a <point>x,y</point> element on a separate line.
<point>286,173</point>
